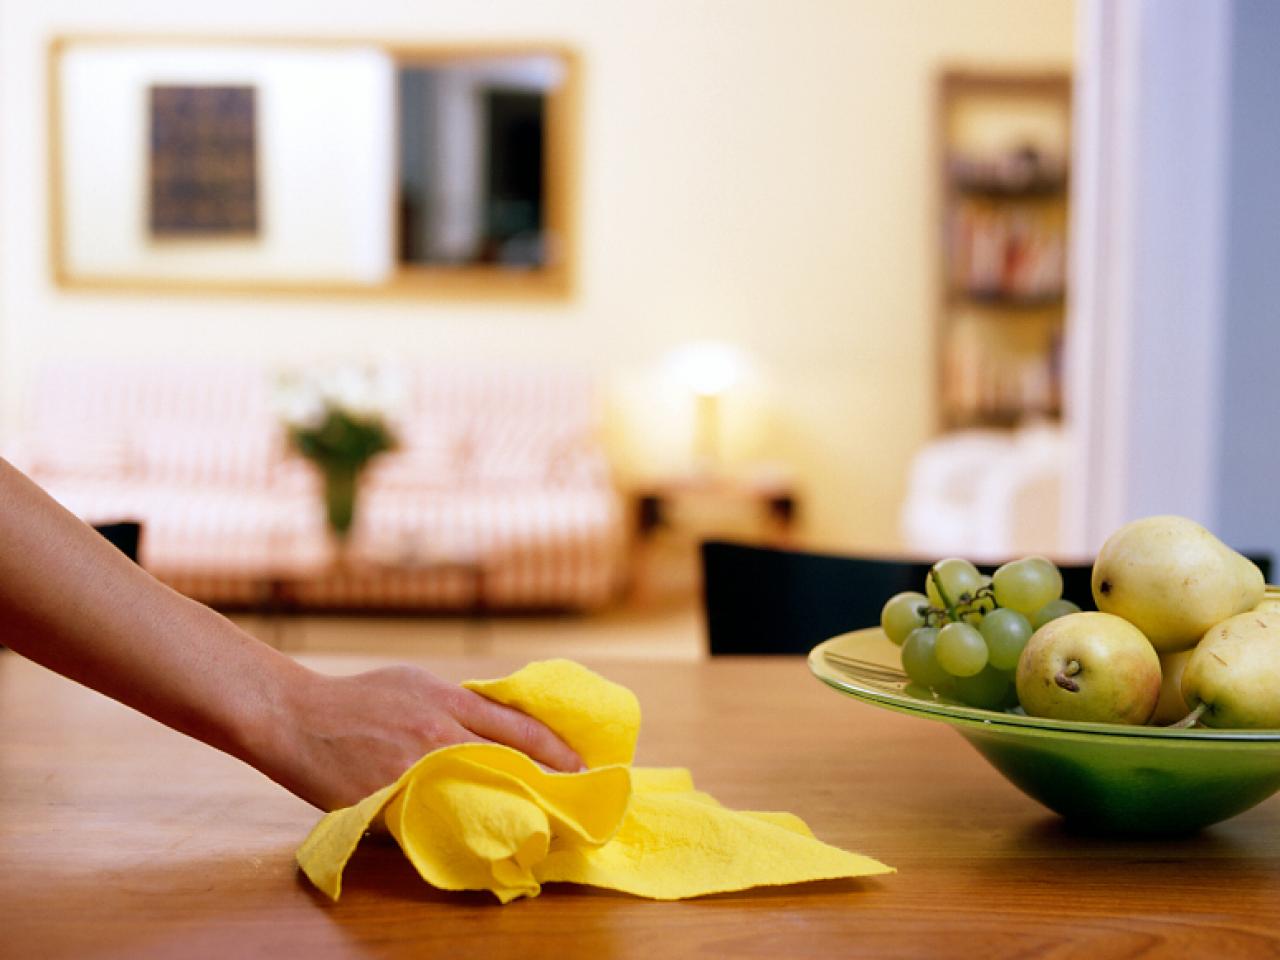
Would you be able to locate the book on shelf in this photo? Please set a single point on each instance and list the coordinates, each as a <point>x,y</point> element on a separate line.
<point>985,385</point>
<point>1010,254</point>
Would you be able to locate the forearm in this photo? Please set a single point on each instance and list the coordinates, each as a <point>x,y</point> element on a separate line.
<point>72,602</point>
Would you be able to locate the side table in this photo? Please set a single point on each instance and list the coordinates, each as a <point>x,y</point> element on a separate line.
<point>671,515</point>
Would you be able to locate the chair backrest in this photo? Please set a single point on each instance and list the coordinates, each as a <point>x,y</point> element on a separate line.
<point>762,600</point>
<point>126,536</point>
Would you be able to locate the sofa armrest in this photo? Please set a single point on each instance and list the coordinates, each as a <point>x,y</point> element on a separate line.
<point>19,452</point>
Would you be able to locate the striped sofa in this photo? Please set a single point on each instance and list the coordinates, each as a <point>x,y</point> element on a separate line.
<point>499,495</point>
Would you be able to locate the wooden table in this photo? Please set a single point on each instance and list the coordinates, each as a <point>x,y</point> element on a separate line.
<point>672,514</point>
<point>121,838</point>
<point>772,502</point>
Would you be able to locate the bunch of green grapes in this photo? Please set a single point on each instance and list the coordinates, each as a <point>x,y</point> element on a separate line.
<point>962,637</point>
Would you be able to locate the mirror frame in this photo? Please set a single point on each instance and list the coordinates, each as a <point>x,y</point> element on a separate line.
<point>555,281</point>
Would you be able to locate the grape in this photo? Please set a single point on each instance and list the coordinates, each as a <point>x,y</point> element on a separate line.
<point>959,577</point>
<point>1052,611</point>
<point>903,613</point>
<point>1006,632</point>
<point>973,612</point>
<point>1026,585</point>
<point>988,688</point>
<point>1011,701</point>
<point>981,605</point>
<point>919,661</point>
<point>960,650</point>
<point>914,689</point>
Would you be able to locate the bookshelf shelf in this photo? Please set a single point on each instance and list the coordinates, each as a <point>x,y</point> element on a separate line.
<point>1007,303</point>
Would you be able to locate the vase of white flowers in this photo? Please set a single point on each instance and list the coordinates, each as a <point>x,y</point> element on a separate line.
<point>340,481</point>
<point>339,421</point>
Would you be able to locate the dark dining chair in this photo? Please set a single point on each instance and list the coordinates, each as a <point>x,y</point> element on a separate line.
<point>125,535</point>
<point>765,600</point>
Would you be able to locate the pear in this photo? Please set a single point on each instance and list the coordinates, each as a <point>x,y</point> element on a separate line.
<point>1233,676</point>
<point>1172,707</point>
<point>1173,580</point>
<point>1089,666</point>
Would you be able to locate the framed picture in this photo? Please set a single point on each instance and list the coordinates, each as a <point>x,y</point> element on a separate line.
<point>203,177</point>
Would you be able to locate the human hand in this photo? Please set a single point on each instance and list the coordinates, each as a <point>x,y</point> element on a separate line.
<point>342,738</point>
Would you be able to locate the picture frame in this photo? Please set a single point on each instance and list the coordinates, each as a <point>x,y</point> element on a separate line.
<point>313,165</point>
<point>202,170</point>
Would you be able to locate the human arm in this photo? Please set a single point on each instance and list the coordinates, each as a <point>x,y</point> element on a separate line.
<point>73,603</point>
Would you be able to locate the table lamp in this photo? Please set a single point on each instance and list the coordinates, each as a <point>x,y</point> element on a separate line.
<point>709,369</point>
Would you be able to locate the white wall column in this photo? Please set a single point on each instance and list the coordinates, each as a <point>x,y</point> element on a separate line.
<point>1144,334</point>
<point>1246,465</point>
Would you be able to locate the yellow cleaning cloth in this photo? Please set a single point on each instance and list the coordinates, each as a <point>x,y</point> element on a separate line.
<point>480,816</point>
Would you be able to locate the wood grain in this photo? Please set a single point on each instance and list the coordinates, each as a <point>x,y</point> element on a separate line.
<point>121,838</point>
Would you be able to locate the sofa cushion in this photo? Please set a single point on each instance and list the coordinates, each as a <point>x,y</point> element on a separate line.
<point>208,454</point>
<point>81,454</point>
<point>525,452</point>
<point>430,453</point>
<point>206,530</point>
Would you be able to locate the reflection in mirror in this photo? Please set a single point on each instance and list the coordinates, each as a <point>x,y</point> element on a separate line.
<point>472,171</point>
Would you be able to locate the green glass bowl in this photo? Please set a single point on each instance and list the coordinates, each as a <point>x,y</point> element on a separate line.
<point>1109,778</point>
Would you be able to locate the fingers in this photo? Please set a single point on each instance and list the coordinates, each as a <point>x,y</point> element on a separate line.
<point>503,724</point>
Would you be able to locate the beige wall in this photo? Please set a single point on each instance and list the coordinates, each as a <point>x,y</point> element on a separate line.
<point>754,170</point>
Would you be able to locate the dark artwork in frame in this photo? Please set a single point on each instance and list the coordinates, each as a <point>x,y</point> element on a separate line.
<point>203,161</point>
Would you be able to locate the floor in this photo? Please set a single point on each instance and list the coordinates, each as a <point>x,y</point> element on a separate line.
<point>666,631</point>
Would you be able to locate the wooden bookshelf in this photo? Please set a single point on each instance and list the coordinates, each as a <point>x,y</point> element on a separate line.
<point>1003,164</point>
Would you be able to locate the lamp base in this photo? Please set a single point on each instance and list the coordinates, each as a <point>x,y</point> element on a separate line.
<point>706,434</point>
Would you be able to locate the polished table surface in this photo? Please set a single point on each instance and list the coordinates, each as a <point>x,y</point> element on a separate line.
<point>119,837</point>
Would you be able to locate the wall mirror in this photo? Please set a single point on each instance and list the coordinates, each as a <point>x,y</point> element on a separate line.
<point>295,166</point>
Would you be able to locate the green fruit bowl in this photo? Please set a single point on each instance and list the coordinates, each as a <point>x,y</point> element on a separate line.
<point>1105,778</point>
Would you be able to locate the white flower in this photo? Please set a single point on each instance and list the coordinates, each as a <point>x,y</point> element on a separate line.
<point>300,404</point>
<point>304,401</point>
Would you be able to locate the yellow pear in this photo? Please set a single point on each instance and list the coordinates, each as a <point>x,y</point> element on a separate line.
<point>1173,580</point>
<point>1089,666</point>
<point>1171,707</point>
<point>1233,676</point>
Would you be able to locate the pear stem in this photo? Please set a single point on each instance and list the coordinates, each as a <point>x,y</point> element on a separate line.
<point>1192,718</point>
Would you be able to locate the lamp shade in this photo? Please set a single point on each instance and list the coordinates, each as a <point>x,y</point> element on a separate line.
<point>707,367</point>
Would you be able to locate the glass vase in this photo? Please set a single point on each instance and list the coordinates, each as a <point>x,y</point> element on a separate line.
<point>341,485</point>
